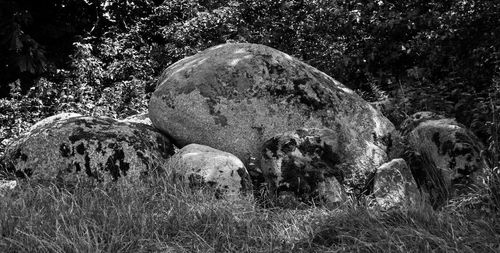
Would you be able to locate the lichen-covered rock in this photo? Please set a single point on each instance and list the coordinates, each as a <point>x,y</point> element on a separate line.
<point>200,165</point>
<point>71,148</point>
<point>394,186</point>
<point>234,97</point>
<point>445,156</point>
<point>41,123</point>
<point>309,164</point>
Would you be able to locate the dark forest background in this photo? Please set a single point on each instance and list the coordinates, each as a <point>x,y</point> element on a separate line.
<point>101,57</point>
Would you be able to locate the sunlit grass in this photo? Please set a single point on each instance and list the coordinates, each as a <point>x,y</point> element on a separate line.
<point>161,217</point>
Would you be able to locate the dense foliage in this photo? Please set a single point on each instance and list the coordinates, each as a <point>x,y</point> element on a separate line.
<point>102,56</point>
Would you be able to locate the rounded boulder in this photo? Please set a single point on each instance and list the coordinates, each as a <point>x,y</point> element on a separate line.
<point>444,155</point>
<point>71,148</point>
<point>234,97</point>
<point>200,166</point>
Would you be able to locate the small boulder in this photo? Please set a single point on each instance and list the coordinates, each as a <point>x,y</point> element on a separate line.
<point>70,148</point>
<point>200,165</point>
<point>394,186</point>
<point>445,157</point>
<point>307,163</point>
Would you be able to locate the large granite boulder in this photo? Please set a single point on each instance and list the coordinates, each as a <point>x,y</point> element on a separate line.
<point>308,164</point>
<point>395,187</point>
<point>445,157</point>
<point>203,166</point>
<point>234,97</point>
<point>70,148</point>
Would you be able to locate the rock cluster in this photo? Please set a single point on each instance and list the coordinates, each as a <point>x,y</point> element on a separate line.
<point>240,109</point>
<point>234,97</point>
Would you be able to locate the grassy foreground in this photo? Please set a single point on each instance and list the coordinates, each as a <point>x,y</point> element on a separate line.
<point>161,217</point>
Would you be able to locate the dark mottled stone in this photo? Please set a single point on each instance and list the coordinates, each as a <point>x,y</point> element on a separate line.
<point>53,150</point>
<point>88,170</point>
<point>20,155</point>
<point>117,158</point>
<point>436,140</point>
<point>442,155</point>
<point>65,150</point>
<point>196,181</point>
<point>246,184</point>
<point>80,149</point>
<point>308,159</point>
<point>447,147</point>
<point>77,167</point>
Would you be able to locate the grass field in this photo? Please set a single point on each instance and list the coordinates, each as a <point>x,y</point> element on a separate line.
<point>161,217</point>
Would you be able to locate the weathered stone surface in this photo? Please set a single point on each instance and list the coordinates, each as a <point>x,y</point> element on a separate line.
<point>415,119</point>
<point>200,165</point>
<point>142,118</point>
<point>49,120</point>
<point>6,186</point>
<point>71,148</point>
<point>308,163</point>
<point>445,156</point>
<point>394,186</point>
<point>234,97</point>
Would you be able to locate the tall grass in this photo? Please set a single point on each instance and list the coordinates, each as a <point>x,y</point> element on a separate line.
<point>163,217</point>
